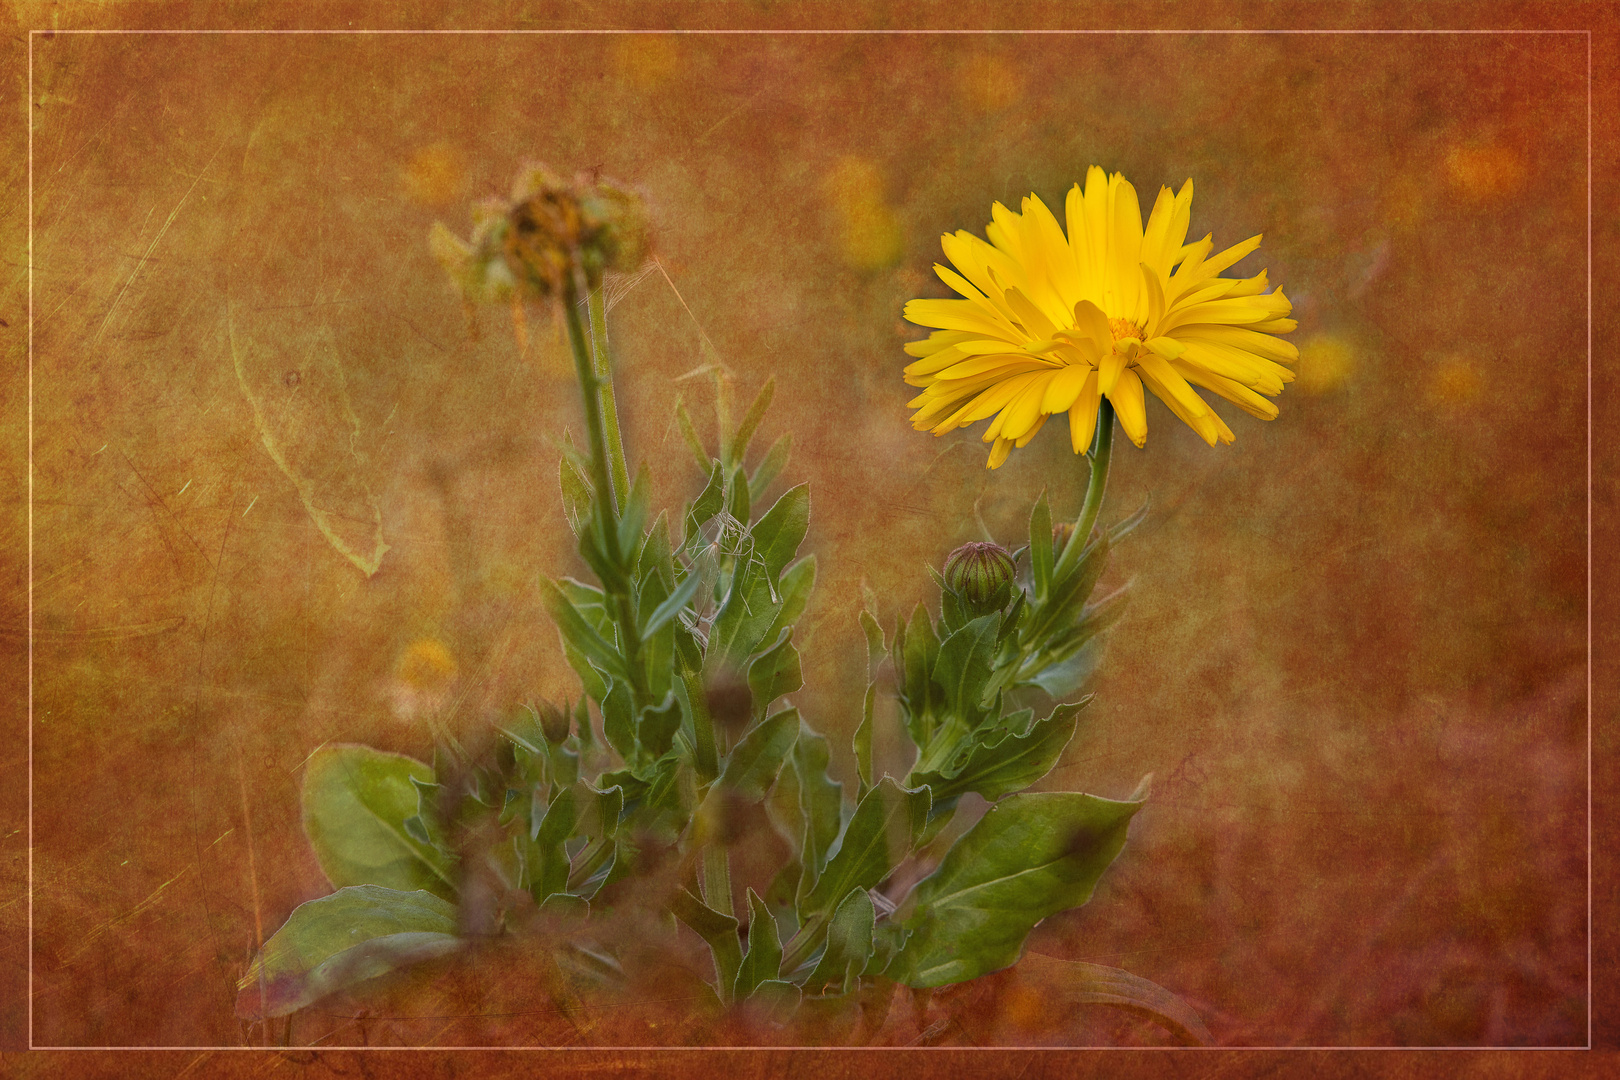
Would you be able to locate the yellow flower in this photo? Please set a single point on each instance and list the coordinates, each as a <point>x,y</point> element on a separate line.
<point>1051,324</point>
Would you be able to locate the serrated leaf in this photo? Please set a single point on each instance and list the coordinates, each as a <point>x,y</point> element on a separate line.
<point>1030,856</point>
<point>1040,546</point>
<point>329,944</point>
<point>849,945</point>
<point>779,533</point>
<point>775,672</point>
<point>750,421</point>
<point>763,960</point>
<point>965,663</point>
<point>576,494</point>
<point>1065,983</point>
<point>881,833</point>
<point>1012,762</point>
<point>752,766</point>
<point>719,931</point>
<point>355,804</point>
<point>770,467</point>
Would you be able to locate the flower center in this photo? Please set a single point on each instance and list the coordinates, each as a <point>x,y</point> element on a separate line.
<point>1124,328</point>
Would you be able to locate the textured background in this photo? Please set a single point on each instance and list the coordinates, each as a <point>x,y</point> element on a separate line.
<point>1356,655</point>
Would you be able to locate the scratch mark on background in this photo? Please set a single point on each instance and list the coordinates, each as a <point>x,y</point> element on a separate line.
<point>153,246</point>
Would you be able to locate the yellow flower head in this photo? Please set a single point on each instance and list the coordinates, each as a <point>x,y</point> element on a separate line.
<point>1051,324</point>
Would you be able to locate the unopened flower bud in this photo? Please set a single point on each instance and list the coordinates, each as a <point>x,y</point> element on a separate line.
<point>981,575</point>
<point>553,721</point>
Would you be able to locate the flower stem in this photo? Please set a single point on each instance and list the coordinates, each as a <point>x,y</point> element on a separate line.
<point>603,367</point>
<point>1102,444</point>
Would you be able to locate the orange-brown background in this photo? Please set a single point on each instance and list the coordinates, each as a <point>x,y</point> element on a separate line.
<point>1356,656</point>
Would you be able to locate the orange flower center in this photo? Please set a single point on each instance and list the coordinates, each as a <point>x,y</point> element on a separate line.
<point>1124,328</point>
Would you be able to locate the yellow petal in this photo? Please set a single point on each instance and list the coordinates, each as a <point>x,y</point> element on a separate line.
<point>1040,422</point>
<point>1019,417</point>
<point>1083,417</point>
<point>1065,387</point>
<point>998,453</point>
<point>1108,372</point>
<point>1129,405</point>
<point>995,398</point>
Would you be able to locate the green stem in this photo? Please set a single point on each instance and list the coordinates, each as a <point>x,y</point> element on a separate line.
<point>1102,444</point>
<point>717,878</point>
<point>597,308</point>
<point>804,943</point>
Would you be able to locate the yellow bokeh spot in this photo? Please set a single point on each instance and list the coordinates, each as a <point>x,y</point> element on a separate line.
<point>1455,380</point>
<point>1482,173</point>
<point>645,60</point>
<point>869,233</point>
<point>436,175</point>
<point>989,84</point>
<point>1325,362</point>
<point>426,665</point>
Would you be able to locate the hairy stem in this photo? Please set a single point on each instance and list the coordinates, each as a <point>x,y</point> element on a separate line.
<point>1102,444</point>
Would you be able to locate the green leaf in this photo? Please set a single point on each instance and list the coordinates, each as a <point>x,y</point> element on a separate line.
<point>1068,595</point>
<point>1128,526</point>
<point>1011,762</point>
<point>1040,546</point>
<point>737,504</point>
<point>689,433</point>
<point>579,634</point>
<point>1065,983</point>
<point>576,494</point>
<point>750,421</point>
<point>763,960</point>
<point>1031,856</point>
<point>740,625</point>
<point>672,606</point>
<point>752,767</point>
<point>776,458</point>
<point>1068,675</point>
<point>707,504</point>
<point>355,934</point>
<point>779,533</point>
<point>849,945</point>
<point>619,721</point>
<point>862,743</point>
<point>881,833</point>
<point>875,645</point>
<point>355,803</point>
<point>634,514</point>
<point>657,653</point>
<point>657,725</point>
<point>720,931</point>
<point>794,592</point>
<point>775,672</point>
<point>821,798</point>
<point>918,691</point>
<point>964,665</point>
<point>656,554</point>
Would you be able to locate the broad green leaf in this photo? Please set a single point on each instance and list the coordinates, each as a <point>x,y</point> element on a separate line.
<point>740,625</point>
<point>355,803</point>
<point>326,945</point>
<point>1040,546</point>
<point>794,591</point>
<point>770,467</point>
<point>775,672</point>
<point>820,797</point>
<point>1067,676</point>
<point>763,960</point>
<point>779,533</point>
<point>657,725</point>
<point>720,931</point>
<point>750,421</point>
<point>579,634</point>
<point>619,720</point>
<point>849,945</point>
<point>737,503</point>
<point>1032,855</point>
<point>784,806</point>
<point>657,554</point>
<point>657,652</point>
<point>881,833</point>
<point>576,494</point>
<point>1009,761</point>
<point>595,685</point>
<point>751,768</point>
<point>707,504</point>
<point>1065,983</point>
<point>965,663</point>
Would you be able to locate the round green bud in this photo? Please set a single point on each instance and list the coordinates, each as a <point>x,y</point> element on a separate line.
<point>981,575</point>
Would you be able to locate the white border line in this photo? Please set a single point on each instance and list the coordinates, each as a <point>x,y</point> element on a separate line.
<point>724,33</point>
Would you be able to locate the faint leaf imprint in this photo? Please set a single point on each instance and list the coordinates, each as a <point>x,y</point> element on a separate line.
<point>289,370</point>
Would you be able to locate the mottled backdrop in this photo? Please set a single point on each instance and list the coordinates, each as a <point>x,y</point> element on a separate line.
<point>1355,660</point>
